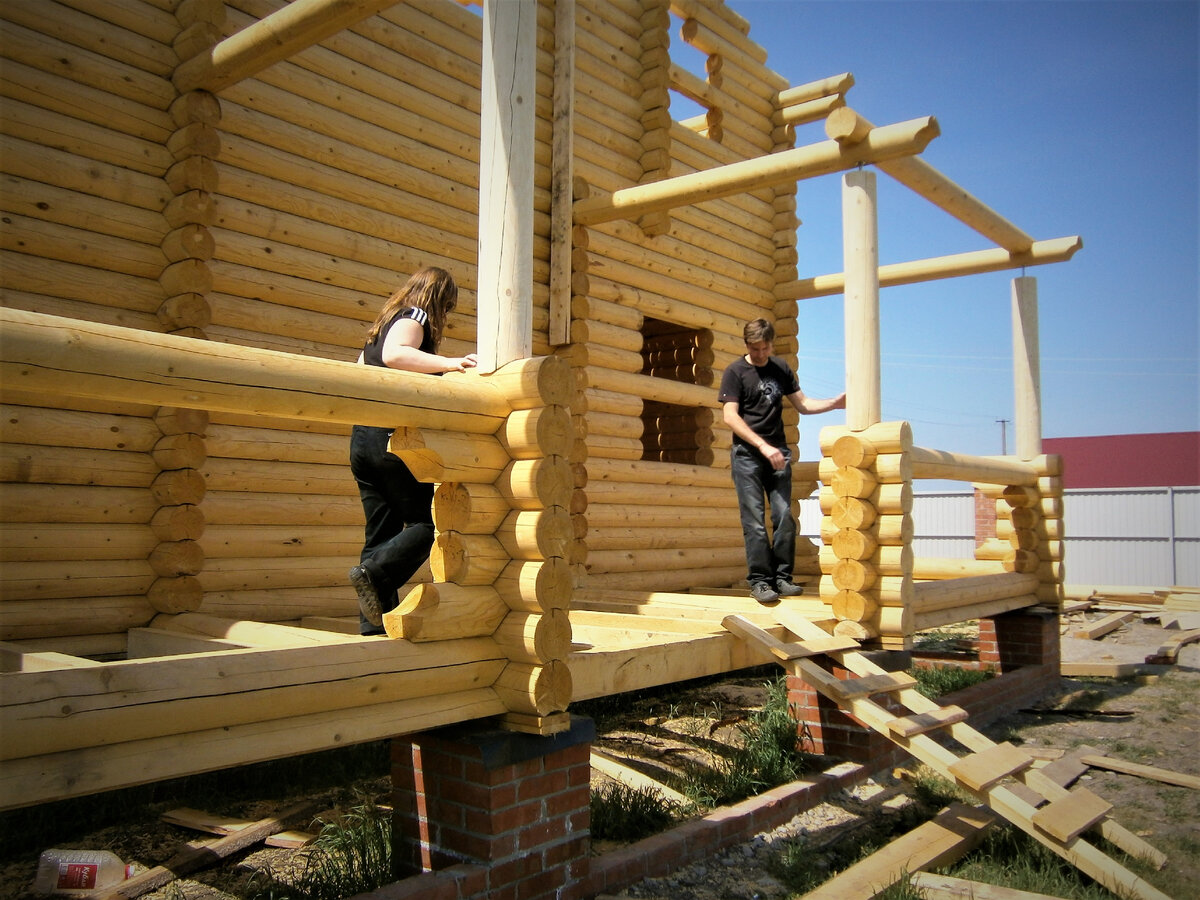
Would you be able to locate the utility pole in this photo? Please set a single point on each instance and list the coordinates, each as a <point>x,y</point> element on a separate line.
<point>1003,436</point>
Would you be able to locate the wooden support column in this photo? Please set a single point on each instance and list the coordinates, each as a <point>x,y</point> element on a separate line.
<point>860,250</point>
<point>505,289</point>
<point>562,174</point>
<point>1027,389</point>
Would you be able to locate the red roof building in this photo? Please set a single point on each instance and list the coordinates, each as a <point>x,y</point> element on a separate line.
<point>1170,459</point>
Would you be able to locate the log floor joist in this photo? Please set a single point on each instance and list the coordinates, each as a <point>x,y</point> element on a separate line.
<point>235,692</point>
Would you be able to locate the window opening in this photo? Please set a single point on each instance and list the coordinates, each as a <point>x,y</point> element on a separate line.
<point>672,432</point>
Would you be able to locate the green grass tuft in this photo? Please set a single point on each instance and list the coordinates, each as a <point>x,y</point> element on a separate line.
<point>1011,859</point>
<point>621,813</point>
<point>937,681</point>
<point>769,755</point>
<point>350,856</point>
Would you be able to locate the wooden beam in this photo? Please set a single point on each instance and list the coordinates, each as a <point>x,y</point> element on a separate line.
<point>815,90</point>
<point>847,126</point>
<point>41,779</point>
<point>562,177</point>
<point>975,262</point>
<point>165,697</point>
<point>823,158</point>
<point>965,467</point>
<point>949,615</point>
<point>942,840</point>
<point>935,595</point>
<point>1113,764</point>
<point>601,672</point>
<point>285,32</point>
<point>583,621</point>
<point>946,887</point>
<point>247,633</point>
<point>860,252</point>
<point>72,358</point>
<point>198,855</point>
<point>1111,622</point>
<point>504,295</point>
<point>14,659</point>
<point>1027,366</point>
<point>632,778</point>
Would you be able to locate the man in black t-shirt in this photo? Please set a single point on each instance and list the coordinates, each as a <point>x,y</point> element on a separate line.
<point>753,389</point>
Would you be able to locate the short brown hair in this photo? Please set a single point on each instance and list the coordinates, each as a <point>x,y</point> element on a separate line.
<point>758,330</point>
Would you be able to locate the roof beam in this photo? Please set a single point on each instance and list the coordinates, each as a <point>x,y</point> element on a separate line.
<point>285,32</point>
<point>975,262</point>
<point>883,143</point>
<point>848,128</point>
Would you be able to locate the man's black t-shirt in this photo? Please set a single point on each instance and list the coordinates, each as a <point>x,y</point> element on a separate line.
<point>759,392</point>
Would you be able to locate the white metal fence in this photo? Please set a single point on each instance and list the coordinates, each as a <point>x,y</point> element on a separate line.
<point>1136,537</point>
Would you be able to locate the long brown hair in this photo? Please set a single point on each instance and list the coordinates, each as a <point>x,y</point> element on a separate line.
<point>431,289</point>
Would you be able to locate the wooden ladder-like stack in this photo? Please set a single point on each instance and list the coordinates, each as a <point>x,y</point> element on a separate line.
<point>1000,775</point>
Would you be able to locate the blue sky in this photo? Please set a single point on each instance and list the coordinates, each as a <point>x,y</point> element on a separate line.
<point>1066,117</point>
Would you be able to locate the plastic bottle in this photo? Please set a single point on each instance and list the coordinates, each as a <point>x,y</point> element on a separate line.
<point>77,873</point>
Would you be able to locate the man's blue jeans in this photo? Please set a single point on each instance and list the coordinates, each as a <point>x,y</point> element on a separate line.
<point>766,560</point>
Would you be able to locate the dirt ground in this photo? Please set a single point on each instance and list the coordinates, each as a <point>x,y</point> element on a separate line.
<point>1151,720</point>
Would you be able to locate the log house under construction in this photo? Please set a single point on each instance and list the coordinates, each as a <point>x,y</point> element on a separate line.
<point>205,203</point>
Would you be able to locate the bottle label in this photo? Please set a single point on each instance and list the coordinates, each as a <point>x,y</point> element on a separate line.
<point>78,875</point>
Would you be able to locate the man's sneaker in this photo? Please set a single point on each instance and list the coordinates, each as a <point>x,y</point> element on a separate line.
<point>368,598</point>
<point>787,589</point>
<point>763,592</point>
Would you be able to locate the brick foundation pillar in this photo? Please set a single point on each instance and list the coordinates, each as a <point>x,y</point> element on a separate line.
<point>1018,639</point>
<point>828,731</point>
<point>985,517</point>
<point>515,804</point>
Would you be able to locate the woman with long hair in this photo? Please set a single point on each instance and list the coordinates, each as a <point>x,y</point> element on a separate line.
<point>406,334</point>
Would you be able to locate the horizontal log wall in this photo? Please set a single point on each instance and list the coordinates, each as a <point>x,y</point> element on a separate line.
<point>705,268</point>
<point>84,145</point>
<point>870,579</point>
<point>279,212</point>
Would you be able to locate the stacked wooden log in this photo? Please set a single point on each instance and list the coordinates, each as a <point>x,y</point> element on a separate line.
<point>504,553</point>
<point>656,105</point>
<point>1029,528</point>
<point>866,558</point>
<point>671,432</point>
<point>876,589</point>
<point>703,270</point>
<point>178,523</point>
<point>86,140</point>
<point>505,540</point>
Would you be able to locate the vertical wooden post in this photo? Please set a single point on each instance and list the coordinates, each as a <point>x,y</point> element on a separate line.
<point>860,251</point>
<point>505,289</point>
<point>1027,390</point>
<point>562,172</point>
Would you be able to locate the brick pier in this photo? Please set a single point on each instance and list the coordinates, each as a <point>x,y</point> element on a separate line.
<point>490,813</point>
